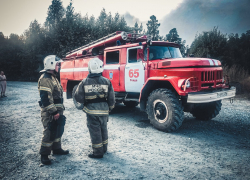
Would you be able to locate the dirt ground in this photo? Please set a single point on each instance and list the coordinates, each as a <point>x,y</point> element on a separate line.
<point>216,149</point>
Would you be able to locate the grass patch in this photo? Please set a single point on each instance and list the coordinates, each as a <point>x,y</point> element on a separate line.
<point>239,78</point>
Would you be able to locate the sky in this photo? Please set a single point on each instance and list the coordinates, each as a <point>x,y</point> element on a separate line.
<point>192,17</point>
<point>16,15</point>
<point>189,17</point>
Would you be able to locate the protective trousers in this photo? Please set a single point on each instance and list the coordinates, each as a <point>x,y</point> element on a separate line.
<point>97,126</point>
<point>48,145</point>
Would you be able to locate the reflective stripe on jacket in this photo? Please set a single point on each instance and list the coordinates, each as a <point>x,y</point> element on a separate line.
<point>97,95</point>
<point>51,93</point>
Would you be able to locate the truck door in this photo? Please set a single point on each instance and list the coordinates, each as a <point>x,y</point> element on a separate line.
<point>134,70</point>
<point>112,68</point>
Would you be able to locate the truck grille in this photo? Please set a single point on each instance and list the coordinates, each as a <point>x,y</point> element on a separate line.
<point>211,79</point>
<point>210,76</point>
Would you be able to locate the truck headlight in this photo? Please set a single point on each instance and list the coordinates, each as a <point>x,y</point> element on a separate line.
<point>188,84</point>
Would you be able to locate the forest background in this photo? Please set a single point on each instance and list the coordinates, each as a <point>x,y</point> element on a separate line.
<point>21,57</point>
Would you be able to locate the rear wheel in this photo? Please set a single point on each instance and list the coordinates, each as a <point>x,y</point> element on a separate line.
<point>77,104</point>
<point>206,111</point>
<point>130,103</point>
<point>165,110</point>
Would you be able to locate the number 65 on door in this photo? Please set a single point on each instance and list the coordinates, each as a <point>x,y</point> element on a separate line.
<point>133,73</point>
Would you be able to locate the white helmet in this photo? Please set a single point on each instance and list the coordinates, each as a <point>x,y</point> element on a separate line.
<point>95,66</point>
<point>50,62</point>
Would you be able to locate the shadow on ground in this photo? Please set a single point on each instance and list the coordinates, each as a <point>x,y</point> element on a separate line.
<point>190,125</point>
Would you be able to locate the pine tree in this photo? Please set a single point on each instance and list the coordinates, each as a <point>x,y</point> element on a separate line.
<point>209,44</point>
<point>140,29</point>
<point>173,36</point>
<point>69,31</point>
<point>109,23</point>
<point>152,27</point>
<point>122,25</point>
<point>55,14</point>
<point>93,29</point>
<point>102,24</point>
<point>70,15</point>
<point>33,52</point>
<point>136,27</point>
<point>1,38</point>
<point>10,55</point>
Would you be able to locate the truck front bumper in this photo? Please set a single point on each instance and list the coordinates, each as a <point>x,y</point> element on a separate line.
<point>205,97</point>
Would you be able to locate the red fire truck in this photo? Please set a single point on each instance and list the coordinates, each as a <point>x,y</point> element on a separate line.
<point>153,74</point>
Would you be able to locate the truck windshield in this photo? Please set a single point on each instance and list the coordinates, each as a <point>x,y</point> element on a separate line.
<point>162,52</point>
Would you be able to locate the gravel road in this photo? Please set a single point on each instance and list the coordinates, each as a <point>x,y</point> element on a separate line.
<point>216,149</point>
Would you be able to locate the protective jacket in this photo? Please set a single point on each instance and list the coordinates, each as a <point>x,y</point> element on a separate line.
<point>51,94</point>
<point>97,95</point>
<point>51,103</point>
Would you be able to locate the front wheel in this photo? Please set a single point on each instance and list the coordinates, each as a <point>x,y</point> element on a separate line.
<point>165,110</point>
<point>77,104</point>
<point>206,111</point>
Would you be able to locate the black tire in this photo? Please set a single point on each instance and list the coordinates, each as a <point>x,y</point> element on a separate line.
<point>206,111</point>
<point>165,110</point>
<point>77,104</point>
<point>130,104</point>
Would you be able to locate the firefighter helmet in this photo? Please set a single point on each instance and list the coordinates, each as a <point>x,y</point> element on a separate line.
<point>50,62</point>
<point>95,66</point>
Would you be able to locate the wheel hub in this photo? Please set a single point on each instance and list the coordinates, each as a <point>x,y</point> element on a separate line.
<point>157,112</point>
<point>160,111</point>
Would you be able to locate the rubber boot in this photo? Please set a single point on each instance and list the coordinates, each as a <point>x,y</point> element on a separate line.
<point>45,160</point>
<point>60,151</point>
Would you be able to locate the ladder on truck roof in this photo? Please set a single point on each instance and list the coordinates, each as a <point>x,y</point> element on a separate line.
<point>126,36</point>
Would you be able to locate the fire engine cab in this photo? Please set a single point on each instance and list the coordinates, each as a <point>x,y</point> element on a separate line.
<point>153,74</point>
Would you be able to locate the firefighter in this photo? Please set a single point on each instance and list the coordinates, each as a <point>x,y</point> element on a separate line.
<point>97,95</point>
<point>52,107</point>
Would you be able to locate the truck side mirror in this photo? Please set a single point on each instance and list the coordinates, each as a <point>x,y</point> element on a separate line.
<point>149,42</point>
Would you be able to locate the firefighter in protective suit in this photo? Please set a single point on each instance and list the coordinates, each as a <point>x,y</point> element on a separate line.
<point>97,95</point>
<point>52,107</point>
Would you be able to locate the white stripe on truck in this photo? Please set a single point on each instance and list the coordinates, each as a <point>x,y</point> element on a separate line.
<point>211,62</point>
<point>108,67</point>
<point>111,66</point>
<point>74,70</point>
